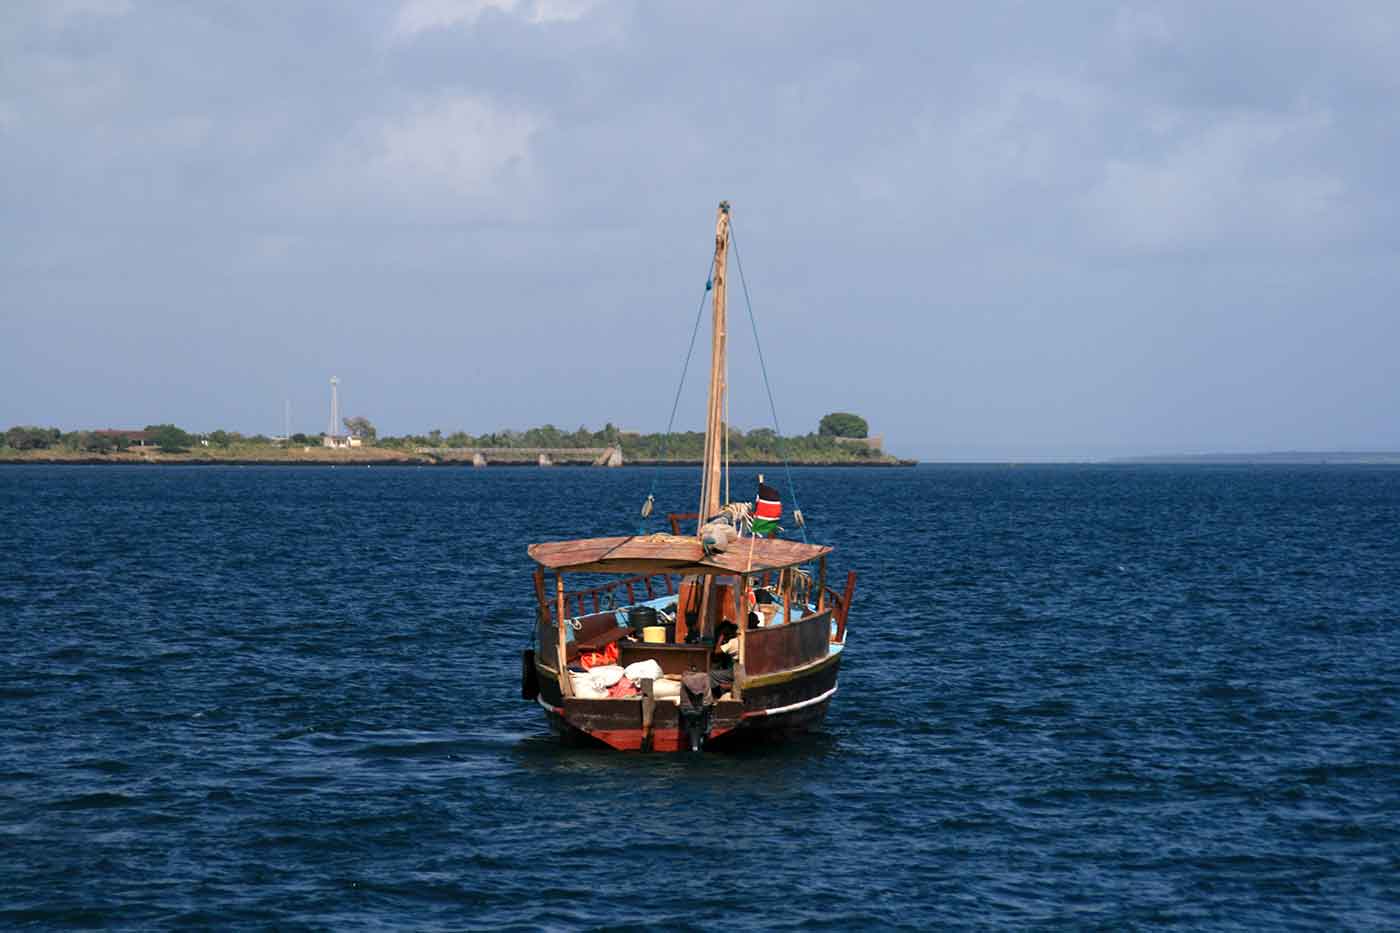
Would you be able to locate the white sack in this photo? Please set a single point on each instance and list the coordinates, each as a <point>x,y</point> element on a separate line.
<point>639,671</point>
<point>584,689</point>
<point>605,676</point>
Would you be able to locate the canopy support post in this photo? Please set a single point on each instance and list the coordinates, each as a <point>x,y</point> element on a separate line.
<point>785,581</point>
<point>566,686</point>
<point>742,597</point>
<point>702,621</point>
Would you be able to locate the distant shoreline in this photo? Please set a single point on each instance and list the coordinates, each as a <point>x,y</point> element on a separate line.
<point>334,461</point>
<point>372,456</point>
<point>1281,457</point>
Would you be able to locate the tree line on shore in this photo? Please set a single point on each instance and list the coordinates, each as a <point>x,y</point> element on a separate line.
<point>829,442</point>
<point>167,437</point>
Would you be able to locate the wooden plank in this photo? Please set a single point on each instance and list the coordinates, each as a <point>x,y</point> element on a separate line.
<point>821,584</point>
<point>658,547</point>
<point>786,646</point>
<point>767,554</point>
<point>595,631</point>
<point>597,641</point>
<point>674,659</point>
<point>654,554</point>
<point>637,567</point>
<point>556,554</point>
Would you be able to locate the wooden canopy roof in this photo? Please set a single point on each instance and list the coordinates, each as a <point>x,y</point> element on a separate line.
<point>663,553</point>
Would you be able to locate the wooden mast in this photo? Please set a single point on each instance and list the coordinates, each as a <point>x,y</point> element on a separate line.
<point>714,424</point>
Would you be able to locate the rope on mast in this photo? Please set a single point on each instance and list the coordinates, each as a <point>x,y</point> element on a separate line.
<point>675,404</point>
<point>763,365</point>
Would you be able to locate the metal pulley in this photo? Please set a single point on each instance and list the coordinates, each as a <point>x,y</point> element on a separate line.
<point>647,505</point>
<point>797,518</point>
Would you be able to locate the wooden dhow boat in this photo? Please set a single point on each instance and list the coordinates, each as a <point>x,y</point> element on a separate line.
<point>686,641</point>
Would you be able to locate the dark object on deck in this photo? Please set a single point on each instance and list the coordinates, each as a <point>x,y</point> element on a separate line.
<point>696,706</point>
<point>641,616</point>
<point>529,677</point>
<point>648,711</point>
<point>721,681</point>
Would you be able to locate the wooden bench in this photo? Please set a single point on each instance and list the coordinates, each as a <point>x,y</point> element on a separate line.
<point>674,659</point>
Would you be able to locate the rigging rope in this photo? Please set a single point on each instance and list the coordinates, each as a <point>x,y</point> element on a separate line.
<point>763,365</point>
<point>675,404</point>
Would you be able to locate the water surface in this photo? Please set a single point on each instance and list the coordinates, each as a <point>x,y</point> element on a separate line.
<point>1073,696</point>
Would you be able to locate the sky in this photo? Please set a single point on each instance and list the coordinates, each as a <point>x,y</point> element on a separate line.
<point>997,230</point>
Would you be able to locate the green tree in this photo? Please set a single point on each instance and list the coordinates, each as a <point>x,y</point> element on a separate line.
<point>359,426</point>
<point>28,437</point>
<point>169,438</point>
<point>220,438</point>
<point>843,424</point>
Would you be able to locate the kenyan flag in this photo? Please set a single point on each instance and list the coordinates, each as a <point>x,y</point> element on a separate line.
<point>767,510</point>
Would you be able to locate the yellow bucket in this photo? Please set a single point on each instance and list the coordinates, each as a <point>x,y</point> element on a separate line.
<point>655,634</point>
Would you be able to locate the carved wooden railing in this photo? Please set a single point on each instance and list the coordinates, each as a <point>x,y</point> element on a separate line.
<point>593,605</point>
<point>608,596</point>
<point>840,605</point>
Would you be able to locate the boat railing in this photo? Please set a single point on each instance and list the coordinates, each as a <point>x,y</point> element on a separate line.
<point>609,596</point>
<point>840,604</point>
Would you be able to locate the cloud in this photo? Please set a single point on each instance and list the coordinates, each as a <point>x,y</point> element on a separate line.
<point>417,16</point>
<point>1137,27</point>
<point>459,144</point>
<point>1234,180</point>
<point>61,13</point>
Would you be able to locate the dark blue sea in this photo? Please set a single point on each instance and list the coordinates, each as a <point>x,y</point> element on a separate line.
<point>1104,697</point>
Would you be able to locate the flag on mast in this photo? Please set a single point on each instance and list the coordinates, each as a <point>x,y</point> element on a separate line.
<point>767,510</point>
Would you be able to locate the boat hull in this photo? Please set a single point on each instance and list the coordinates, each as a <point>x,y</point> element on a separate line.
<point>773,709</point>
